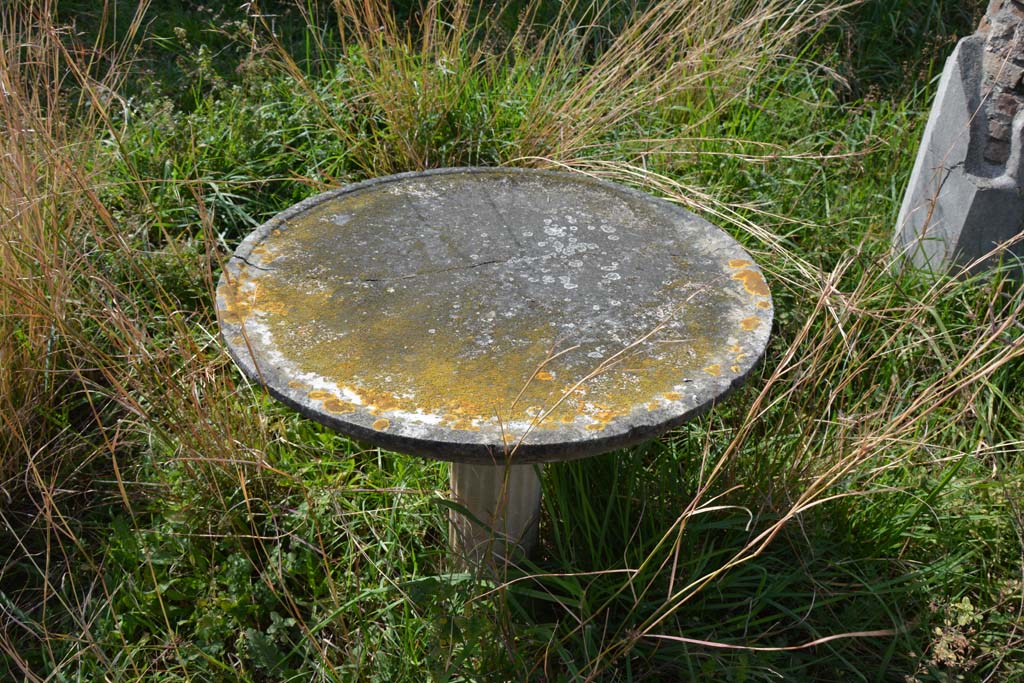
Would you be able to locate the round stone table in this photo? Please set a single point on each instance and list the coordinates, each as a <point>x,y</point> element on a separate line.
<point>495,318</point>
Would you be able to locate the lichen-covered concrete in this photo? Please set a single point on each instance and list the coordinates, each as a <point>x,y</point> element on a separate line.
<point>473,314</point>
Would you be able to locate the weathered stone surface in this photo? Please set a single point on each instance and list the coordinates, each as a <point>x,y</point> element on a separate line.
<point>475,314</point>
<point>1000,84</point>
<point>999,17</point>
<point>959,204</point>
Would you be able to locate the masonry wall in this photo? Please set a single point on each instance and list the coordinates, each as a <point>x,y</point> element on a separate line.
<point>1002,83</point>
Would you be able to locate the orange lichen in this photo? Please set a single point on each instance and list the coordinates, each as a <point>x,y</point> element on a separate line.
<point>235,309</point>
<point>671,396</point>
<point>735,369</point>
<point>739,263</point>
<point>296,384</point>
<point>570,390</point>
<point>457,419</point>
<point>339,407</point>
<point>265,254</point>
<point>435,382</point>
<point>753,282</point>
<point>381,424</point>
<point>275,307</point>
<point>320,395</point>
<point>380,401</point>
<point>714,370</point>
<point>603,415</point>
<point>764,304</point>
<point>750,324</point>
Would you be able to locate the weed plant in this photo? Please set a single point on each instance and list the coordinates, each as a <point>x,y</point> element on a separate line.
<point>853,513</point>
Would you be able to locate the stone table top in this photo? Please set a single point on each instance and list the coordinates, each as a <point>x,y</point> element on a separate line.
<point>475,314</point>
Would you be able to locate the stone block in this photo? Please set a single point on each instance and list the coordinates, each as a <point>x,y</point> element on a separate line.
<point>959,206</point>
<point>1007,70</point>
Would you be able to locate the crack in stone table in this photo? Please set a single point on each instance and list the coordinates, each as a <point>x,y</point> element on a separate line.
<point>495,318</point>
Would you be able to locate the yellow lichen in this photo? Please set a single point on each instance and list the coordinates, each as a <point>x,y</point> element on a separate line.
<point>320,395</point>
<point>753,282</point>
<point>235,309</point>
<point>750,324</point>
<point>338,407</point>
<point>273,307</point>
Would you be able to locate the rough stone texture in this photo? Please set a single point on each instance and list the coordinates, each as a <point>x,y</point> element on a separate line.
<point>1002,73</point>
<point>476,314</point>
<point>964,195</point>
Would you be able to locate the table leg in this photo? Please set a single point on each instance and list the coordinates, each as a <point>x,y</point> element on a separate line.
<point>506,498</point>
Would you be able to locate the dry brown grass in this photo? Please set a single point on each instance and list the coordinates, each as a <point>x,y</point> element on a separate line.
<point>45,215</point>
<point>553,96</point>
<point>97,357</point>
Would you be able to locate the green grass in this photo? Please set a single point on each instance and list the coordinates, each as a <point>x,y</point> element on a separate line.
<point>852,513</point>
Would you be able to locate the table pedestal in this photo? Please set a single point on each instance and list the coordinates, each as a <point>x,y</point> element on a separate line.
<point>506,499</point>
